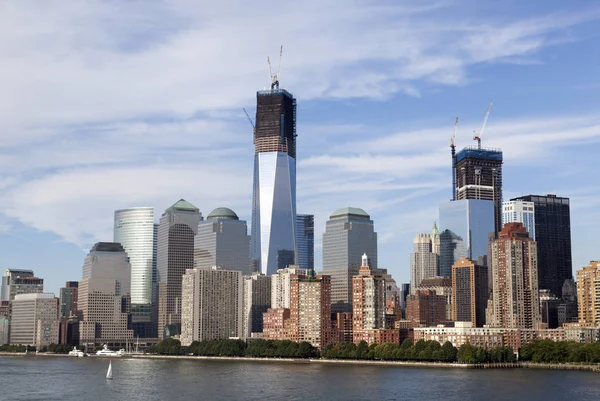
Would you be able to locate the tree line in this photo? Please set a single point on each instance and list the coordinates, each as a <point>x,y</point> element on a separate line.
<point>255,348</point>
<point>546,351</point>
<point>422,351</point>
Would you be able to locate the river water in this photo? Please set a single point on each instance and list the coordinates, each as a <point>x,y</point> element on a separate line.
<point>56,378</point>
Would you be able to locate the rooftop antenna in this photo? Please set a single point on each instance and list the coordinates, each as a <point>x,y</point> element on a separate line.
<point>250,120</point>
<point>453,151</point>
<point>476,136</point>
<point>275,78</point>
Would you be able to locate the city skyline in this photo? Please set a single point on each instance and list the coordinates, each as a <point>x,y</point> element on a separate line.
<point>360,122</point>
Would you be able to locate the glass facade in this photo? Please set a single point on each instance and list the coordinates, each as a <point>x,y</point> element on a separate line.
<point>465,226</point>
<point>520,212</point>
<point>349,233</point>
<point>134,230</point>
<point>553,237</point>
<point>305,240</point>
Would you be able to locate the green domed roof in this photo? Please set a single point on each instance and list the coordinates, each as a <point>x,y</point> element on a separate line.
<point>184,205</point>
<point>350,210</point>
<point>223,213</point>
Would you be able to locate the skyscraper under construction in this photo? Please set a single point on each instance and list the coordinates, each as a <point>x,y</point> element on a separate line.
<point>274,194</point>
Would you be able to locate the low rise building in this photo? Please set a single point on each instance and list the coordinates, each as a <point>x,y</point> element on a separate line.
<point>426,308</point>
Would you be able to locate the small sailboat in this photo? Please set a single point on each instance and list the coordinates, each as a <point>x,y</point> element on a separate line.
<point>109,373</point>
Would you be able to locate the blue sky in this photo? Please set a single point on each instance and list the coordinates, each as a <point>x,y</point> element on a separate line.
<point>109,104</point>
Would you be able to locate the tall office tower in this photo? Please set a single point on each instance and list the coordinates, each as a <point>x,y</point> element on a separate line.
<point>175,254</point>
<point>68,299</point>
<point>423,261</point>
<point>368,301</point>
<point>211,305</point>
<point>281,286</point>
<point>310,310</point>
<point>553,237</point>
<point>305,240</point>
<point>348,234</point>
<point>425,308</point>
<point>517,211</point>
<point>404,292</point>
<point>222,241</point>
<point>19,281</point>
<point>588,294</point>
<point>515,299</point>
<point>274,199</point>
<point>469,292</point>
<point>569,297</point>
<point>466,225</point>
<point>104,298</point>
<point>257,301</point>
<point>34,320</point>
<point>479,176</point>
<point>134,230</point>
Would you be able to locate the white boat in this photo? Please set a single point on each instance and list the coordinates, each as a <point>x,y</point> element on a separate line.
<point>106,352</point>
<point>76,352</point>
<point>109,373</point>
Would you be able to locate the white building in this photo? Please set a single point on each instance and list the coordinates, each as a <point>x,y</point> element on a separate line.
<point>257,300</point>
<point>134,229</point>
<point>34,320</point>
<point>517,211</point>
<point>211,305</point>
<point>424,262</point>
<point>280,286</point>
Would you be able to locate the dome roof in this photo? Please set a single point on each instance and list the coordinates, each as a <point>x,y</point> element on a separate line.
<point>222,213</point>
<point>350,210</point>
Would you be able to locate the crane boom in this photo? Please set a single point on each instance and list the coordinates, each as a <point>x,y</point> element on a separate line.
<point>249,119</point>
<point>279,66</point>
<point>477,136</point>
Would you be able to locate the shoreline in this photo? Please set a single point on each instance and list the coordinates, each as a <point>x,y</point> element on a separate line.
<point>409,364</point>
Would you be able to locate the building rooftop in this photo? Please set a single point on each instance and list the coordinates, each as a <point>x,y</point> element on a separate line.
<point>184,205</point>
<point>222,213</point>
<point>45,295</point>
<point>107,247</point>
<point>472,152</point>
<point>354,211</point>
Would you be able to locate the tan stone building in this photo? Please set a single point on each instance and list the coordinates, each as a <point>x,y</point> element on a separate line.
<point>588,294</point>
<point>104,296</point>
<point>257,301</point>
<point>469,292</point>
<point>368,302</point>
<point>515,300</point>
<point>211,305</point>
<point>34,320</point>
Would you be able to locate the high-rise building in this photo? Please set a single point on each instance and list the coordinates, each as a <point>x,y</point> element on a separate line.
<point>348,234</point>
<point>424,262</point>
<point>569,297</point>
<point>222,241</point>
<point>518,211</point>
<point>305,240</point>
<point>469,292</point>
<point>273,244</point>
<point>257,301</point>
<point>68,299</point>
<point>19,281</point>
<point>175,254</point>
<point>466,225</point>
<point>515,299</point>
<point>588,294</point>
<point>478,175</point>
<point>281,286</point>
<point>134,229</point>
<point>368,303</point>
<point>310,310</point>
<point>553,237</point>
<point>442,286</point>
<point>211,305</point>
<point>404,292</point>
<point>4,322</point>
<point>34,320</point>
<point>425,308</point>
<point>104,299</point>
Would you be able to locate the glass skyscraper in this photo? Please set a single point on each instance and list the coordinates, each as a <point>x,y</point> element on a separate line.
<point>273,243</point>
<point>305,240</point>
<point>349,233</point>
<point>465,226</point>
<point>517,211</point>
<point>553,237</point>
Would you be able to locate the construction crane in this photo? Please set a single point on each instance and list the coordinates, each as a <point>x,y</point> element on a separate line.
<point>453,151</point>
<point>250,120</point>
<point>477,136</point>
<point>275,78</point>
